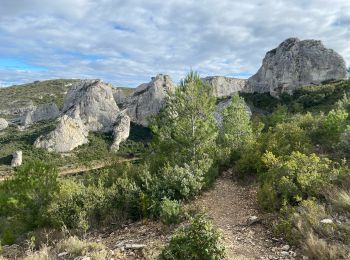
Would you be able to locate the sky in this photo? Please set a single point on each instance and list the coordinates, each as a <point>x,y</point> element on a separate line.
<point>127,42</point>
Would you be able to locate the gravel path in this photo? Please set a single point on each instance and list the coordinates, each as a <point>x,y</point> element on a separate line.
<point>231,206</point>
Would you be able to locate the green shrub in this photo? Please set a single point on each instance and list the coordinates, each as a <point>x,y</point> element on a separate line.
<point>298,176</point>
<point>198,241</point>
<point>26,196</point>
<point>170,212</point>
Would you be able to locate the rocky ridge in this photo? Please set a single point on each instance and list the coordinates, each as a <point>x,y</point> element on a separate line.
<point>295,63</point>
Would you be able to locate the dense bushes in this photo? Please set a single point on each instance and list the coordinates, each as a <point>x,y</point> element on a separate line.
<point>198,240</point>
<point>25,198</point>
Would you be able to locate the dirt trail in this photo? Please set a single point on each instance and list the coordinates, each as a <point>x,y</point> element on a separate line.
<point>230,205</point>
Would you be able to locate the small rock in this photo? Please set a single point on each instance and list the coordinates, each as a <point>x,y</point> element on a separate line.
<point>327,221</point>
<point>284,253</point>
<point>17,159</point>
<point>285,247</point>
<point>134,246</point>
<point>3,124</point>
<point>62,254</point>
<point>252,220</point>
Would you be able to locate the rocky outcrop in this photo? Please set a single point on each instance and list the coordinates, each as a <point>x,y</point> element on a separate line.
<point>17,159</point>
<point>69,134</point>
<point>294,64</point>
<point>88,106</point>
<point>121,130</point>
<point>92,102</point>
<point>3,124</point>
<point>225,86</point>
<point>42,113</point>
<point>148,99</point>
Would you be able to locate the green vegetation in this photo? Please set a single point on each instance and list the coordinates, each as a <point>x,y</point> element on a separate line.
<point>198,240</point>
<point>295,146</point>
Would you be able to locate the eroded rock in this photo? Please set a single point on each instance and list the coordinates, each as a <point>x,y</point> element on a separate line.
<point>3,124</point>
<point>148,99</point>
<point>69,134</point>
<point>42,113</point>
<point>89,106</point>
<point>121,130</point>
<point>295,63</point>
<point>17,159</point>
<point>224,86</point>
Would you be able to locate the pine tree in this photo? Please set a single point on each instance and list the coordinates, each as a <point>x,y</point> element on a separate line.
<point>185,131</point>
<point>237,128</point>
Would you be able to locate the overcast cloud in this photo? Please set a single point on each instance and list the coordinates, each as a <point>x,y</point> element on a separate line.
<point>127,42</point>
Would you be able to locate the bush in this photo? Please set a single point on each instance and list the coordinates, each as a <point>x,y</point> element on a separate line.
<point>170,212</point>
<point>25,198</point>
<point>298,176</point>
<point>198,241</point>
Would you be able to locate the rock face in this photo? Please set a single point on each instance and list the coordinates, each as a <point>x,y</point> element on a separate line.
<point>17,159</point>
<point>88,106</point>
<point>294,64</point>
<point>42,113</point>
<point>148,99</point>
<point>224,86</point>
<point>92,102</point>
<point>121,130</point>
<point>3,124</point>
<point>69,134</point>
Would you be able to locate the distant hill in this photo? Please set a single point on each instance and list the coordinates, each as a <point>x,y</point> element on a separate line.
<point>14,100</point>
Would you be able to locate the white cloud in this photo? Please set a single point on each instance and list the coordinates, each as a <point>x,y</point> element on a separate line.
<point>127,42</point>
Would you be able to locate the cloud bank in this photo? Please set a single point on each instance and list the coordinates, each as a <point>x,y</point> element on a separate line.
<point>127,42</point>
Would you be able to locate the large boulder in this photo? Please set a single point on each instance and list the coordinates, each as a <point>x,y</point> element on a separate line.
<point>93,103</point>
<point>295,63</point>
<point>3,124</point>
<point>88,106</point>
<point>16,159</point>
<point>224,86</point>
<point>121,131</point>
<point>42,113</point>
<point>69,134</point>
<point>148,99</point>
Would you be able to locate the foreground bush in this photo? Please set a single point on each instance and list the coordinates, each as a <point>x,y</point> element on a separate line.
<point>198,241</point>
<point>25,198</point>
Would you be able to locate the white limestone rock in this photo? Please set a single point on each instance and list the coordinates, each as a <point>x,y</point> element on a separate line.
<point>17,159</point>
<point>93,103</point>
<point>121,131</point>
<point>88,106</point>
<point>224,86</point>
<point>3,124</point>
<point>148,99</point>
<point>42,113</point>
<point>69,134</point>
<point>295,63</point>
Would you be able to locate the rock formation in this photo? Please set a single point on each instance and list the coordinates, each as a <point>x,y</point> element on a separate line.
<point>92,102</point>
<point>120,97</point>
<point>69,134</point>
<point>294,64</point>
<point>121,130</point>
<point>148,99</point>
<point>3,124</point>
<point>17,159</point>
<point>224,86</point>
<point>42,113</point>
<point>88,106</point>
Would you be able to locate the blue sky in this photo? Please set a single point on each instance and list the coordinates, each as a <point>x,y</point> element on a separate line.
<point>127,42</point>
